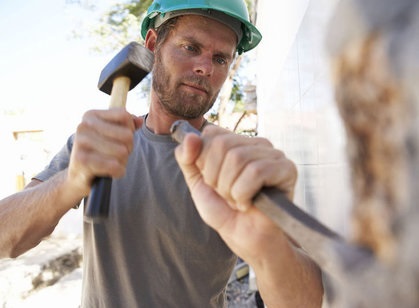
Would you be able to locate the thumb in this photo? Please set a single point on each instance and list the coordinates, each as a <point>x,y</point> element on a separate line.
<point>186,155</point>
<point>211,207</point>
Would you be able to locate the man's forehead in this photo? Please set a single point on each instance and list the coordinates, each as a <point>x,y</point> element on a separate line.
<point>194,22</point>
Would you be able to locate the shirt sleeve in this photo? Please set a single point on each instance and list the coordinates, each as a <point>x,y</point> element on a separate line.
<point>58,163</point>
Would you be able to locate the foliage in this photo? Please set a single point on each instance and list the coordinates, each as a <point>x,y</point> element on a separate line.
<point>236,91</point>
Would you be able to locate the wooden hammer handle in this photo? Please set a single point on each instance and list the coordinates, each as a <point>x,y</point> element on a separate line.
<point>98,202</point>
<point>119,92</point>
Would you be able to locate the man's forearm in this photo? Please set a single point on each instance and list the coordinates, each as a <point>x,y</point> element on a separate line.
<point>32,214</point>
<point>294,281</point>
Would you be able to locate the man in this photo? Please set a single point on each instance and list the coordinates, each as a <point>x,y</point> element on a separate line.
<point>154,250</point>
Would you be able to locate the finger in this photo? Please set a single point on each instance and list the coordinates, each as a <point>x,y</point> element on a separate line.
<point>104,141</point>
<point>218,143</point>
<point>280,173</point>
<point>114,123</point>
<point>211,207</point>
<point>109,132</point>
<point>225,155</point>
<point>186,154</point>
<point>90,141</point>
<point>212,153</point>
<point>87,156</point>
<point>237,160</point>
<point>114,115</point>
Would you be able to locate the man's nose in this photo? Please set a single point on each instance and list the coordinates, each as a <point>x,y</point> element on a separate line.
<point>204,65</point>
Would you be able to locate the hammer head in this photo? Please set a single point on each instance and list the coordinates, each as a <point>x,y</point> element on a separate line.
<point>133,61</point>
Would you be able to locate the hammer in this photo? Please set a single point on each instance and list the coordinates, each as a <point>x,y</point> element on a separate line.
<point>120,75</point>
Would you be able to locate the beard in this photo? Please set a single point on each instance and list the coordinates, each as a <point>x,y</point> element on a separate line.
<point>174,100</point>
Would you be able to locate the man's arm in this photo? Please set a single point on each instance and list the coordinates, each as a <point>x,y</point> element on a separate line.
<point>102,145</point>
<point>224,171</point>
<point>288,277</point>
<point>28,216</point>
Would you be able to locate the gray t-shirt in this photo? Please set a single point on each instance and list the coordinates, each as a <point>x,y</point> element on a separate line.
<point>154,250</point>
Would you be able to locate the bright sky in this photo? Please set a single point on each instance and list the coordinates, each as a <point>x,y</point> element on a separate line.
<point>45,72</point>
<point>41,67</point>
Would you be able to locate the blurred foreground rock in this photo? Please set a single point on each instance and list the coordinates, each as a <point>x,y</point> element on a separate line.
<point>373,47</point>
<point>48,275</point>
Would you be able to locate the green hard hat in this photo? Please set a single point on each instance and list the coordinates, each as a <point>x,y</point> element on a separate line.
<point>231,12</point>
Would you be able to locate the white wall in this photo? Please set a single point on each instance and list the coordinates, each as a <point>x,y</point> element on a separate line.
<point>296,108</point>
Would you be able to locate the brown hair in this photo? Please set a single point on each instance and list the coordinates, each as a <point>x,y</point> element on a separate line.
<point>164,30</point>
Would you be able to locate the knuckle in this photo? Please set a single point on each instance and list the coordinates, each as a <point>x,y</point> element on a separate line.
<point>118,170</point>
<point>224,192</point>
<point>255,170</point>
<point>220,143</point>
<point>88,115</point>
<point>235,156</point>
<point>82,126</point>
<point>263,141</point>
<point>107,167</point>
<point>128,138</point>
<point>210,180</point>
<point>122,152</point>
<point>293,170</point>
<point>80,158</point>
<point>81,141</point>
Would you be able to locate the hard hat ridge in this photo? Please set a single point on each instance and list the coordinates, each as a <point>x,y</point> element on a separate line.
<point>227,20</point>
<point>232,13</point>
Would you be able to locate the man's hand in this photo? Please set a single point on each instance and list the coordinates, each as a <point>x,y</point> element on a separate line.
<point>224,171</point>
<point>102,145</point>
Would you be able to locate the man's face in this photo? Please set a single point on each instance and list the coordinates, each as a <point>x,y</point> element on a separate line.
<point>192,64</point>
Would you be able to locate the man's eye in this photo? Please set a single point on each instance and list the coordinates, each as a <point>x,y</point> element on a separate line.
<point>221,61</point>
<point>189,48</point>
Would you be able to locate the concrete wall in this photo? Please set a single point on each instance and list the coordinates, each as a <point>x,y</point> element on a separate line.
<point>296,107</point>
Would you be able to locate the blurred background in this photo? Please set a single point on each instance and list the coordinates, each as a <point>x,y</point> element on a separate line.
<point>52,52</point>
<point>296,108</point>
<point>50,65</point>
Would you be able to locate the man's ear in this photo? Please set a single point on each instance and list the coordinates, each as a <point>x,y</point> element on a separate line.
<point>150,39</point>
